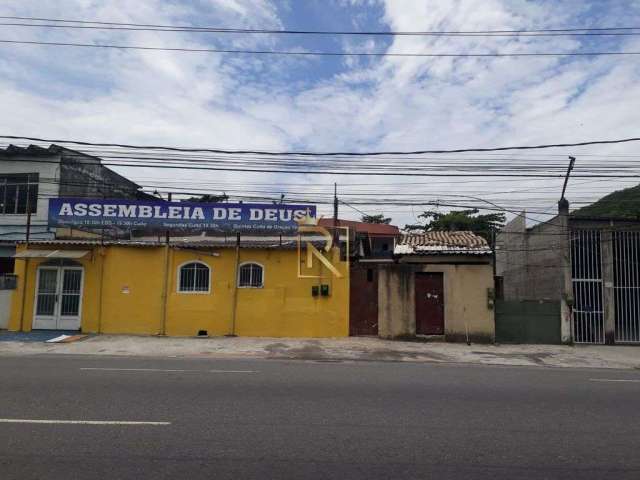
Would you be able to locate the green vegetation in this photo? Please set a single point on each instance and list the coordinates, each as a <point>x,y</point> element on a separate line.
<point>620,204</point>
<point>376,219</point>
<point>470,220</point>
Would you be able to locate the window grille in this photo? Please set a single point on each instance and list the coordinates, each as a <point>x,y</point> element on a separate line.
<point>586,266</point>
<point>251,276</point>
<point>16,191</point>
<point>626,286</point>
<point>194,277</point>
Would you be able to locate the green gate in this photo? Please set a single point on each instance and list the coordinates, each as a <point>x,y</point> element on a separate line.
<point>527,322</point>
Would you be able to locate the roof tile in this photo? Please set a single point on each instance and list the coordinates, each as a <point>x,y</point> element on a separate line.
<point>459,242</point>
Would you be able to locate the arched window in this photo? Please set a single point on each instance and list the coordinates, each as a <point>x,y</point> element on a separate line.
<point>251,275</point>
<point>194,277</point>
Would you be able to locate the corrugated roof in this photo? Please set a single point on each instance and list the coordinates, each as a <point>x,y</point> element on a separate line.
<point>51,254</point>
<point>461,242</point>
<point>381,229</point>
<point>32,150</point>
<point>285,243</point>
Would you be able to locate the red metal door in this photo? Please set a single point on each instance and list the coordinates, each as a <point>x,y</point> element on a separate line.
<point>429,304</point>
<point>363,300</point>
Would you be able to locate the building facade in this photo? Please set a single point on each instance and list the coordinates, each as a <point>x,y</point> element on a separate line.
<point>30,176</point>
<point>585,268</point>
<point>369,242</point>
<point>436,284</point>
<point>182,289</point>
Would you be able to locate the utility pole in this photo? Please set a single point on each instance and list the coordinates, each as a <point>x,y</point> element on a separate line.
<point>572,161</point>
<point>28,232</point>
<point>336,231</point>
<point>566,298</point>
<point>165,282</point>
<point>234,306</point>
<point>26,262</point>
<point>167,233</point>
<point>335,205</point>
<point>336,235</point>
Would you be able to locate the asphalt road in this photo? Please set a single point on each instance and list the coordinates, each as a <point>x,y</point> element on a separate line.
<point>267,419</point>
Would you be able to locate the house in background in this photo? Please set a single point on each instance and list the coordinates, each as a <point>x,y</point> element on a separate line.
<point>370,243</point>
<point>574,278</point>
<point>441,283</point>
<point>368,240</point>
<point>30,176</point>
<point>434,284</point>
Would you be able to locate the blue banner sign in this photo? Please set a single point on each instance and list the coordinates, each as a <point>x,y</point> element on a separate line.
<point>132,214</point>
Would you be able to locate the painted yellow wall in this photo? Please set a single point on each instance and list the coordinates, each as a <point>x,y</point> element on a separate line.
<point>132,285</point>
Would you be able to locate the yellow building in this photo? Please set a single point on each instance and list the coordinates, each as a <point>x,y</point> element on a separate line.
<point>184,290</point>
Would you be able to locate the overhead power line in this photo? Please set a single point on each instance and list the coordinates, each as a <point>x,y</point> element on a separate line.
<point>309,171</point>
<point>323,154</point>
<point>317,53</point>
<point>91,24</point>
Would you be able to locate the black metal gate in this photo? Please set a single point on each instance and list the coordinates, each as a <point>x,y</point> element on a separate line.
<point>586,273</point>
<point>626,284</point>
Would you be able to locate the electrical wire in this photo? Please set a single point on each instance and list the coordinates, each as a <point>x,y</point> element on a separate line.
<point>319,53</point>
<point>322,154</point>
<point>195,29</point>
<point>367,198</point>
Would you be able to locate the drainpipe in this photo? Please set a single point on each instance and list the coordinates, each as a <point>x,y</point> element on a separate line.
<point>101,279</point>
<point>26,262</point>
<point>24,293</point>
<point>165,281</point>
<point>234,306</point>
<point>165,288</point>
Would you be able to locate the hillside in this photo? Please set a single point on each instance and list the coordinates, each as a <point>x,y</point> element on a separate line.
<point>619,204</point>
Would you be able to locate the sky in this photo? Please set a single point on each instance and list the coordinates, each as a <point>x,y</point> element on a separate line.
<point>266,102</point>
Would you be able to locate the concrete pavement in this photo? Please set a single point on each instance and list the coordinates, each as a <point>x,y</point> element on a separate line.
<point>354,348</point>
<point>223,418</point>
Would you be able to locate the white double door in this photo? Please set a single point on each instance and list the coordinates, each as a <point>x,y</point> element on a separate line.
<point>58,302</point>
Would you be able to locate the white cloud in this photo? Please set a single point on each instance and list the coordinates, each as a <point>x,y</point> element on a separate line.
<point>276,103</point>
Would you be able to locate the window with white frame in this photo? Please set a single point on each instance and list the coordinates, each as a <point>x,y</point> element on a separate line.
<point>194,277</point>
<point>251,275</point>
<point>18,193</point>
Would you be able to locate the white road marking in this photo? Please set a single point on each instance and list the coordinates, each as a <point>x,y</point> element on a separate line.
<point>233,371</point>
<point>81,422</point>
<point>628,380</point>
<point>134,369</point>
<point>108,369</point>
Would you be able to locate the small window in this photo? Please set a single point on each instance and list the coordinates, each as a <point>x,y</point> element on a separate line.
<point>194,277</point>
<point>251,276</point>
<point>369,275</point>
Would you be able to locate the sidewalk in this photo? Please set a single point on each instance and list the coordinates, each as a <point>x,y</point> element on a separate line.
<point>335,349</point>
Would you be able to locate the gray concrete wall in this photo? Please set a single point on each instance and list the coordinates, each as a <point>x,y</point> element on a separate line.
<point>84,176</point>
<point>531,260</point>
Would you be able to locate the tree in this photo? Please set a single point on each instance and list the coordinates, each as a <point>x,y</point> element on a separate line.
<point>484,225</point>
<point>376,219</point>
<point>208,198</point>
